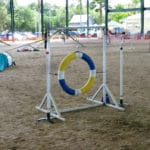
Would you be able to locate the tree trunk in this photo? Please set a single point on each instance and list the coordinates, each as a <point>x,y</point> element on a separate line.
<point>100,11</point>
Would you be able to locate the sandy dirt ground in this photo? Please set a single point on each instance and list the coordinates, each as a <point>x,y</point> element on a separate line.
<point>102,128</point>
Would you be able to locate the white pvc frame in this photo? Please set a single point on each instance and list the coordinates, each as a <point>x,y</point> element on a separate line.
<point>51,108</point>
<point>103,87</point>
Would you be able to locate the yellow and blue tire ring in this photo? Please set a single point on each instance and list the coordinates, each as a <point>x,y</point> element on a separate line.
<point>63,66</point>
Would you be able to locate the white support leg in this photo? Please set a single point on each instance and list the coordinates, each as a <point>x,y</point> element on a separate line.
<point>49,107</point>
<point>106,93</point>
<point>47,104</point>
<point>121,75</point>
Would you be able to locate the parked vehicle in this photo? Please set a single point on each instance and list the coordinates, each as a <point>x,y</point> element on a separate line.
<point>28,36</point>
<point>10,36</point>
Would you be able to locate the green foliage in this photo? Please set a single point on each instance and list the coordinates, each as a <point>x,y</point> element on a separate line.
<point>3,18</point>
<point>33,6</point>
<point>3,2</point>
<point>27,17</point>
<point>98,5</point>
<point>54,16</point>
<point>118,16</point>
<point>135,2</point>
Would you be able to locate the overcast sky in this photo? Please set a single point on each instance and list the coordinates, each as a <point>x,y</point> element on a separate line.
<point>57,2</point>
<point>62,2</point>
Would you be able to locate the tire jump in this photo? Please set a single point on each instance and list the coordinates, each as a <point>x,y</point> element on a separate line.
<point>61,73</point>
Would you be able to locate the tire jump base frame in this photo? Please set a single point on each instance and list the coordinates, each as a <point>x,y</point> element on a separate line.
<point>48,104</point>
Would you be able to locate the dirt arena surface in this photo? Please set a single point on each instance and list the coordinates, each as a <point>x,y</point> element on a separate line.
<point>102,128</point>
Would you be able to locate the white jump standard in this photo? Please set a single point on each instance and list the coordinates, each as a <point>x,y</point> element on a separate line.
<point>104,88</point>
<point>48,105</point>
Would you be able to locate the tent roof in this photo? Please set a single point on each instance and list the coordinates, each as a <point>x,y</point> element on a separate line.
<point>113,24</point>
<point>82,18</point>
<point>138,16</point>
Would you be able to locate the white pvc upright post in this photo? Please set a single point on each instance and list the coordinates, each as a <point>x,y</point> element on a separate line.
<point>149,46</point>
<point>51,109</point>
<point>104,66</point>
<point>48,74</point>
<point>121,72</point>
<point>107,95</point>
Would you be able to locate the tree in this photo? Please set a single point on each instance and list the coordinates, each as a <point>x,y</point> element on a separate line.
<point>60,18</point>
<point>135,3</point>
<point>3,24</point>
<point>118,16</point>
<point>33,6</point>
<point>4,3</point>
<point>3,15</point>
<point>79,8</point>
<point>25,19</point>
<point>98,6</point>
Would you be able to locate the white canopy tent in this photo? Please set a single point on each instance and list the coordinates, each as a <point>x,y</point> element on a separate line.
<point>132,23</point>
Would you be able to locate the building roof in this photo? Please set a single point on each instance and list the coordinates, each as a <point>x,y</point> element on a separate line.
<point>138,16</point>
<point>80,20</point>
